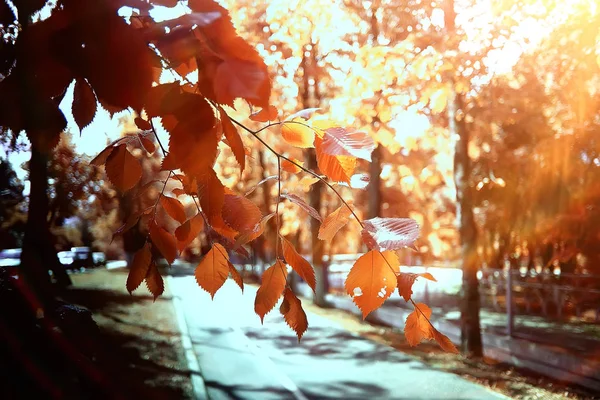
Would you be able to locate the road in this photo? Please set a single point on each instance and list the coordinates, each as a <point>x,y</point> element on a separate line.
<point>239,358</point>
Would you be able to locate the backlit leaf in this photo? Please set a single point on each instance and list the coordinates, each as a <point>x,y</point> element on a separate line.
<point>336,168</point>
<point>372,280</point>
<point>100,159</point>
<point>123,169</point>
<point>188,231</point>
<point>164,242</point>
<point>298,134</point>
<point>154,281</point>
<point>235,275</point>
<point>291,167</point>
<point>265,114</point>
<point>307,181</point>
<point>293,314</point>
<point>147,143</point>
<point>258,230</point>
<point>417,326</point>
<point>445,343</point>
<point>342,142</point>
<point>389,233</point>
<point>298,263</point>
<point>212,196</point>
<point>211,273</point>
<point>233,140</point>
<point>240,213</point>
<point>271,288</point>
<point>174,208</point>
<point>406,281</point>
<point>84,103</point>
<point>142,124</point>
<point>139,267</point>
<point>334,222</point>
<point>303,204</point>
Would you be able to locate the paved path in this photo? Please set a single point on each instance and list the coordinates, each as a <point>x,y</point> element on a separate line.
<point>241,359</point>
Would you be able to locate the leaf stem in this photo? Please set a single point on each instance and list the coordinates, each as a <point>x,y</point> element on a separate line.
<point>422,313</point>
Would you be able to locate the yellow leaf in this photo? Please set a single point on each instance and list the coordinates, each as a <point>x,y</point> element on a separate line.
<point>334,222</point>
<point>298,134</point>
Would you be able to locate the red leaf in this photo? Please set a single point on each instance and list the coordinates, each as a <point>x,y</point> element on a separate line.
<point>233,140</point>
<point>291,167</point>
<point>298,134</point>
<point>389,233</point>
<point>142,124</point>
<point>372,280</point>
<point>211,273</point>
<point>236,276</point>
<point>342,142</point>
<point>138,270</point>
<point>336,168</point>
<point>271,287</point>
<point>192,148</point>
<point>298,263</point>
<point>131,220</point>
<point>406,280</point>
<point>417,325</point>
<point>174,208</point>
<point>101,158</point>
<point>154,281</point>
<point>240,213</point>
<point>236,78</point>
<point>188,231</point>
<point>334,222</point>
<point>265,115</point>
<point>123,169</point>
<point>443,341</point>
<point>84,103</point>
<point>258,230</point>
<point>164,241</point>
<point>178,192</point>
<point>147,143</point>
<point>212,196</point>
<point>302,204</point>
<point>294,315</point>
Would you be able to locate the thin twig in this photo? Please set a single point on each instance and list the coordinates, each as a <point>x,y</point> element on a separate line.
<point>277,208</point>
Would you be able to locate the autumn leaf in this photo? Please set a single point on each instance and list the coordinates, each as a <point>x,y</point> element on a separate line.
<point>123,169</point>
<point>299,201</point>
<point>131,220</point>
<point>290,167</point>
<point>236,78</point>
<point>405,281</point>
<point>211,273</point>
<point>307,181</point>
<point>265,115</point>
<point>444,342</point>
<point>417,327</point>
<point>357,181</point>
<point>298,263</point>
<point>372,279</point>
<point>147,144</point>
<point>212,196</point>
<point>342,142</point>
<point>304,114</point>
<point>271,287</point>
<point>174,208</point>
<point>293,314</point>
<point>178,192</point>
<point>139,267</point>
<point>236,276</point>
<point>101,158</point>
<point>154,281</point>
<point>84,103</point>
<point>240,213</point>
<point>298,134</point>
<point>389,233</point>
<point>142,124</point>
<point>334,222</point>
<point>336,168</point>
<point>188,231</point>
<point>233,139</point>
<point>258,230</point>
<point>164,242</point>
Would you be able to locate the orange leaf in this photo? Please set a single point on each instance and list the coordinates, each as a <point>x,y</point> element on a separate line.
<point>235,78</point>
<point>307,181</point>
<point>212,271</point>
<point>84,103</point>
<point>291,167</point>
<point>178,192</point>
<point>139,267</point>
<point>154,281</point>
<point>258,230</point>
<point>343,142</point>
<point>164,241</point>
<point>336,168</point>
<point>233,140</point>
<point>212,195</point>
<point>174,208</point>
<point>240,213</point>
<point>130,222</point>
<point>298,134</point>
<point>142,124</point>
<point>123,169</point>
<point>271,287</point>
<point>236,276</point>
<point>100,159</point>
<point>298,263</point>
<point>406,280</point>
<point>294,315</point>
<point>265,114</point>
<point>445,343</point>
<point>417,327</point>
<point>389,233</point>
<point>299,201</point>
<point>187,232</point>
<point>371,280</point>
<point>334,222</point>
<point>147,143</point>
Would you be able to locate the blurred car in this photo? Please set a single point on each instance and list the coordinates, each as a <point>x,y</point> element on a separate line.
<point>10,257</point>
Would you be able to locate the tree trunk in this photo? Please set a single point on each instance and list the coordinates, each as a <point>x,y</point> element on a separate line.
<point>374,189</point>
